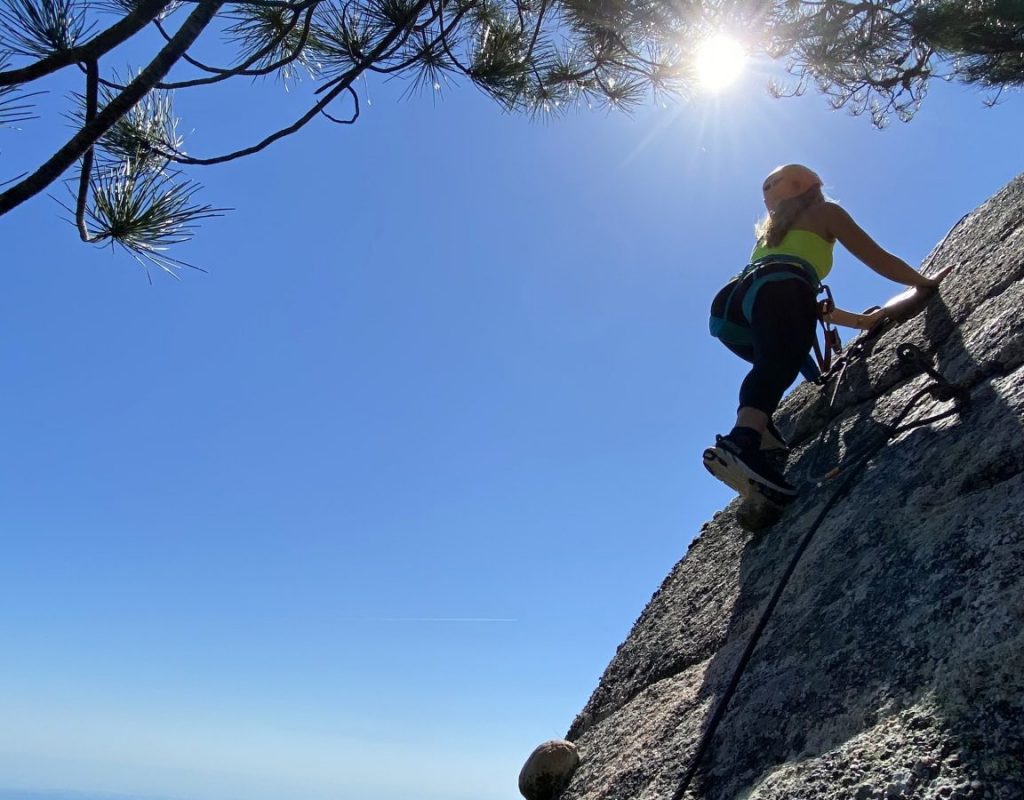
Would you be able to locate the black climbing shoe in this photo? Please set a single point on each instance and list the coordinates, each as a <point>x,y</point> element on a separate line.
<point>772,438</point>
<point>746,471</point>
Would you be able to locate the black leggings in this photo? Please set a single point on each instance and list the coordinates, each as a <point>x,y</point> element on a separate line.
<point>783,323</point>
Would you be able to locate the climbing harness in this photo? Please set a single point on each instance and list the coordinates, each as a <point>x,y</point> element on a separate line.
<point>741,292</point>
<point>940,389</point>
<point>744,289</point>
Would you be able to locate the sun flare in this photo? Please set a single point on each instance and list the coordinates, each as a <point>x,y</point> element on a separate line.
<point>719,62</point>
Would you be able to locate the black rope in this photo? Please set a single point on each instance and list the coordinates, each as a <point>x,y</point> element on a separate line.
<point>942,391</point>
<point>895,428</point>
<point>865,452</point>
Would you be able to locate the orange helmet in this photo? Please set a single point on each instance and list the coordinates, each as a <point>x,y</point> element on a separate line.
<point>789,181</point>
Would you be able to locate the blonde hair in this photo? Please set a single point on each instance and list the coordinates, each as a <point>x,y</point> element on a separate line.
<point>771,230</point>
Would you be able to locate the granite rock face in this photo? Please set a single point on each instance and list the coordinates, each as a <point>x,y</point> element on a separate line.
<point>893,665</point>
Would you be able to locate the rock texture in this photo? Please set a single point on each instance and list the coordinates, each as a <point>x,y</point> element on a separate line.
<point>893,666</point>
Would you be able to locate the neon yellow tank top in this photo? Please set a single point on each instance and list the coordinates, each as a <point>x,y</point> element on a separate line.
<point>802,244</point>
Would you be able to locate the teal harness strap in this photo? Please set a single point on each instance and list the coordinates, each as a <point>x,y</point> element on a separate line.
<point>736,333</point>
<point>760,280</point>
<point>723,329</point>
<point>755,287</point>
<point>731,332</point>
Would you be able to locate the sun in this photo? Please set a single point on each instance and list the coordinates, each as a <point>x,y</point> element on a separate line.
<point>719,62</point>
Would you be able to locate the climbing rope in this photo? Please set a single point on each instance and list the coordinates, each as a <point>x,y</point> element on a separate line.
<point>939,389</point>
<point>942,390</point>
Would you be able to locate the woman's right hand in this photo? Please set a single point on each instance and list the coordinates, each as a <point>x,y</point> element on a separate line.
<point>871,318</point>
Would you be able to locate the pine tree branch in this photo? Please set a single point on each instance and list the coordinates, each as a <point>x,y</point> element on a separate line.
<point>340,84</point>
<point>379,53</point>
<point>355,113</point>
<point>440,39</point>
<point>114,110</point>
<point>145,12</point>
<point>444,35</point>
<point>536,30</point>
<point>185,56</point>
<point>242,69</point>
<point>222,70</point>
<point>259,3</point>
<point>245,69</point>
<point>180,158</point>
<point>91,101</point>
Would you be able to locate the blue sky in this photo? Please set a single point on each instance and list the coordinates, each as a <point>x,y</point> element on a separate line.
<point>364,511</point>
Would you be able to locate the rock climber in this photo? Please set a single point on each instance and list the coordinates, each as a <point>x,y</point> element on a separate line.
<point>767,315</point>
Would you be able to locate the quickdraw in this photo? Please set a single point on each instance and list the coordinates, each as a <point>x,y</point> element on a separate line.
<point>831,344</point>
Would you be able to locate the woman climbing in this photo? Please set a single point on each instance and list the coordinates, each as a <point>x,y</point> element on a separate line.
<point>767,316</point>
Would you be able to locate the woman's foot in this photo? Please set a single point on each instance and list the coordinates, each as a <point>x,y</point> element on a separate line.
<point>745,469</point>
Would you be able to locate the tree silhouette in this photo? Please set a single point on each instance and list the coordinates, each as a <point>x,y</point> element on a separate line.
<point>878,56</point>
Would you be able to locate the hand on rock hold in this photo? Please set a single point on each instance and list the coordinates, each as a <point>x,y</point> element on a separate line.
<point>936,279</point>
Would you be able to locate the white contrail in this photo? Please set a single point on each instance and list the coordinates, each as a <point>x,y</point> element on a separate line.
<point>445,619</point>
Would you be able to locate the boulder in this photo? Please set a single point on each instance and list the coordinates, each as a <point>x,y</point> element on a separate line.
<point>548,770</point>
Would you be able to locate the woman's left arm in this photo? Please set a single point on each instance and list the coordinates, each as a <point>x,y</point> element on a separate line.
<point>850,320</point>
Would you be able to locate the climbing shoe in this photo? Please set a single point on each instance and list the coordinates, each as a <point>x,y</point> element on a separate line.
<point>772,438</point>
<point>746,470</point>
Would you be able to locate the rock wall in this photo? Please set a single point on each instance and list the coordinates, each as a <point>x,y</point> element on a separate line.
<point>893,666</point>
